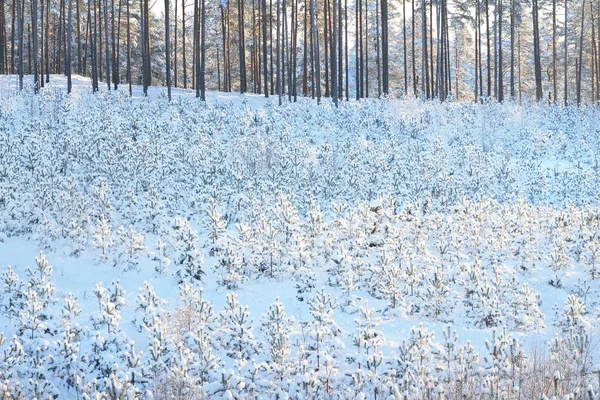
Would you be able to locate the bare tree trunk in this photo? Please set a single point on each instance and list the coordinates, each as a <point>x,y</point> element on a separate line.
<point>477,52</point>
<point>118,55</point>
<point>78,27</point>
<point>183,44</point>
<point>340,49</point>
<point>47,42</point>
<point>167,51</point>
<point>489,55</point>
<point>424,62</point>
<point>346,49</point>
<point>93,50</point>
<point>500,60</point>
<point>413,60</point>
<point>264,49</point>
<point>366,75</point>
<point>41,43</point>
<point>20,39</point>
<point>142,42</point>
<point>536,52</point>
<point>34,20</point>
<point>242,47</point>
<point>197,47</point>
<point>115,62</point>
<point>404,61</point>
<point>580,60</point>
<point>334,71</point>
<point>203,54</point>
<point>175,44</point>
<point>357,42</point>
<point>69,46</point>
<point>554,58</point>
<point>315,51</point>
<point>12,36</point>
<point>129,50</point>
<point>278,38</point>
<point>512,49</point>
<point>326,45</point>
<point>107,53</point>
<point>305,52</point>
<point>377,49</point>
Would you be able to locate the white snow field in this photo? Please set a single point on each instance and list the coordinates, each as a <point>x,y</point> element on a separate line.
<point>388,249</point>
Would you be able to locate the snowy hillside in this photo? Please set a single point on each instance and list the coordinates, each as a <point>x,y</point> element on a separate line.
<point>238,249</point>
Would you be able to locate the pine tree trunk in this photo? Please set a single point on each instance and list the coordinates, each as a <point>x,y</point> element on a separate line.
<point>317,68</point>
<point>142,43</point>
<point>554,59</point>
<point>20,39</point>
<point>346,49</point>
<point>424,62</point>
<point>536,53</point>
<point>477,53</point>
<point>334,70</point>
<point>242,47</point>
<point>47,42</point>
<point>203,54</point>
<point>580,60</point>
<point>512,49</point>
<point>489,50</point>
<point>69,45</point>
<point>500,59</point>
<point>357,50</point>
<point>197,21</point>
<point>129,50</point>
<point>12,36</point>
<point>113,41</point>
<point>41,43</point>
<point>326,45</point>
<point>340,49</point>
<point>183,45</point>
<point>264,49</point>
<point>377,49</point>
<point>413,53</point>
<point>34,20</point>
<point>78,28</point>
<point>305,52</point>
<point>366,48</point>
<point>278,38</point>
<point>167,51</point>
<point>175,71</point>
<point>107,53</point>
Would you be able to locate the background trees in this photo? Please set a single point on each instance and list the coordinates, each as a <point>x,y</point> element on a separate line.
<point>464,49</point>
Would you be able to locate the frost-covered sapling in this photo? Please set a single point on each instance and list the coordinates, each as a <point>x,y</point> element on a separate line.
<point>559,259</point>
<point>11,297</point>
<point>129,249</point>
<point>215,226</point>
<point>161,258</point>
<point>277,327</point>
<point>368,359</point>
<point>185,253</point>
<point>237,337</point>
<point>148,309</point>
<point>102,238</point>
<point>229,266</point>
<point>592,257</point>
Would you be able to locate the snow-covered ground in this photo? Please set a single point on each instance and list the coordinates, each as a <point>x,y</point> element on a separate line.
<point>238,249</point>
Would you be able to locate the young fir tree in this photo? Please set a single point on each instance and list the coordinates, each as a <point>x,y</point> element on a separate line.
<point>236,337</point>
<point>185,253</point>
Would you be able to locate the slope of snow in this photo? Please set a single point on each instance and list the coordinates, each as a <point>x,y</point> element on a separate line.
<point>478,219</point>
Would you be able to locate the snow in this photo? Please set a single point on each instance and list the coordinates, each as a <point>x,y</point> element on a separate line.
<point>434,216</point>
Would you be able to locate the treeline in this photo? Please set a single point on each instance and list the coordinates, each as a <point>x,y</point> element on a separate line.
<point>461,49</point>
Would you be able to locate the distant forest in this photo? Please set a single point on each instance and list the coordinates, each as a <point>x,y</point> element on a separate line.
<point>463,50</point>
